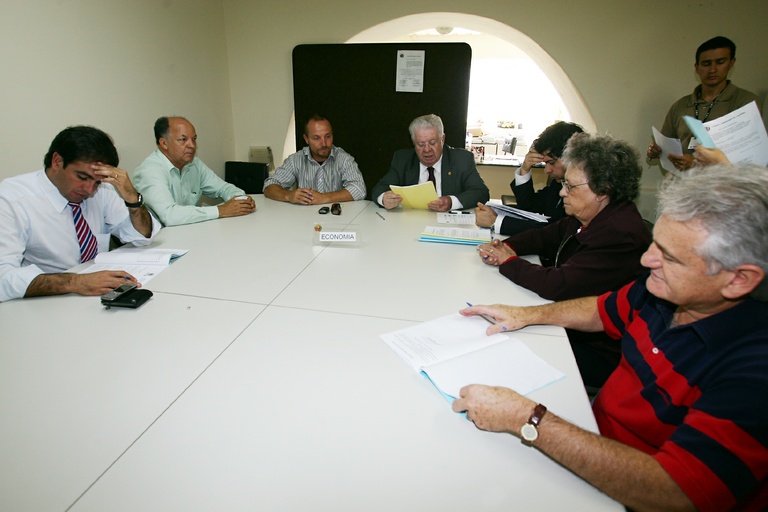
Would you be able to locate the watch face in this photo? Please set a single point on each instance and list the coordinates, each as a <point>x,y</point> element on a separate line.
<point>529,432</point>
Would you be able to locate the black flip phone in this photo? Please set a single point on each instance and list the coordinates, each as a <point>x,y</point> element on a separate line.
<point>125,296</point>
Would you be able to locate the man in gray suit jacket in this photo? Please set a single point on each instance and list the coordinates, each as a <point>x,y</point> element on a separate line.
<point>453,171</point>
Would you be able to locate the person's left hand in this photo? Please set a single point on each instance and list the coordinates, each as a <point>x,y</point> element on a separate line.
<point>236,207</point>
<point>495,253</point>
<point>119,179</point>
<point>682,162</point>
<point>484,216</point>
<point>441,204</point>
<point>506,318</point>
<point>709,156</point>
<point>319,197</point>
<point>493,408</point>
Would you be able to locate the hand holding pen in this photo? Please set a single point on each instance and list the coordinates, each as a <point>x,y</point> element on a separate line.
<point>502,318</point>
<point>484,317</point>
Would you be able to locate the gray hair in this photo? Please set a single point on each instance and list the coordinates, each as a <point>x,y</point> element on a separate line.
<point>427,121</point>
<point>612,166</point>
<point>731,203</point>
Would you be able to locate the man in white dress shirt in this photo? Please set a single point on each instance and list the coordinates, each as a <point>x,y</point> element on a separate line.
<point>54,219</point>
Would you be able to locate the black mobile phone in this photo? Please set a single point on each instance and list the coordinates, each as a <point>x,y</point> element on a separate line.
<point>117,292</point>
<point>323,210</point>
<point>126,296</point>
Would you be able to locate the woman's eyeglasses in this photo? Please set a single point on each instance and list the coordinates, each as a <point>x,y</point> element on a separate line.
<point>567,186</point>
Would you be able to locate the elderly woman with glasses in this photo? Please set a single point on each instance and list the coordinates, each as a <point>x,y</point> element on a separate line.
<point>596,248</point>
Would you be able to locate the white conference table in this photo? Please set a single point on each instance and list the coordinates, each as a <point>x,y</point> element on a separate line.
<point>255,379</point>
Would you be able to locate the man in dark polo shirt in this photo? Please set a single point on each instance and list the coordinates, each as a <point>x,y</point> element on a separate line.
<point>682,418</point>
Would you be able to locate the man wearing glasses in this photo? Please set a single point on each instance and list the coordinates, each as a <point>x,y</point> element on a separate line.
<point>173,181</point>
<point>453,171</point>
<point>682,423</point>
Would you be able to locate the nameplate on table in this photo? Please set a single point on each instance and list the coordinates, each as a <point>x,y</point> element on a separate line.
<point>338,236</point>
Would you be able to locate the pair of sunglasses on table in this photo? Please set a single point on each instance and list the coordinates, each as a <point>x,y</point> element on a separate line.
<point>334,209</point>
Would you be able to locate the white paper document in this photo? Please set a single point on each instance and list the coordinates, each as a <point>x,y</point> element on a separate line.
<point>511,211</point>
<point>669,146</point>
<point>141,262</point>
<point>741,135</point>
<point>456,218</point>
<point>410,71</point>
<point>454,351</point>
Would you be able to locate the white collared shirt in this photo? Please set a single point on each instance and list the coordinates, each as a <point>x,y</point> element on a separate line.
<point>37,233</point>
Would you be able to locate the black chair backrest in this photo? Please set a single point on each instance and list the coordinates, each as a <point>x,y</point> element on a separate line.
<point>248,176</point>
<point>510,143</point>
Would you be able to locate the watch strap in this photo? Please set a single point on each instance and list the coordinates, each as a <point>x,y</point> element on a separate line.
<point>538,412</point>
<point>137,204</point>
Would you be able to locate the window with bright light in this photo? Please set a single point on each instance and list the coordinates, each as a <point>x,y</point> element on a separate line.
<point>509,95</point>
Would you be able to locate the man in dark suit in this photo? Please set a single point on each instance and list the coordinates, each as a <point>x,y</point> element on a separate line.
<point>453,171</point>
<point>547,149</point>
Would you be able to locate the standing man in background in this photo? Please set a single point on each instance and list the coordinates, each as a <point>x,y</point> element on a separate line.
<point>173,180</point>
<point>715,97</point>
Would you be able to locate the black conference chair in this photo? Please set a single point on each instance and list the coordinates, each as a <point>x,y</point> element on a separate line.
<point>248,176</point>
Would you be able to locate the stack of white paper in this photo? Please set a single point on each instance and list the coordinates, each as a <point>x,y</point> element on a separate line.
<point>462,236</point>
<point>510,211</point>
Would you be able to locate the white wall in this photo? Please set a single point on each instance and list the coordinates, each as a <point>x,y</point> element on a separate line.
<point>628,60</point>
<point>226,64</point>
<point>117,65</point>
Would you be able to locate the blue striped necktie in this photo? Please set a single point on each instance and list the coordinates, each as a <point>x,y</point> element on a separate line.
<point>88,244</point>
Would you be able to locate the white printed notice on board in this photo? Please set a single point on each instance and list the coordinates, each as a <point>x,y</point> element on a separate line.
<point>410,71</point>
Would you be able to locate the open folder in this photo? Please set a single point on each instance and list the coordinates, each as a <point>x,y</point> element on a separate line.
<point>416,196</point>
<point>454,351</point>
